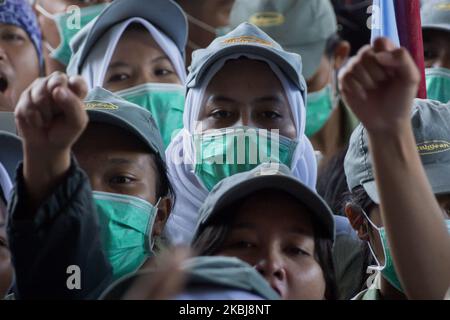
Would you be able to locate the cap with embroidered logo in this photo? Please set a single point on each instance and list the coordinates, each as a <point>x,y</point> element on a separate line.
<point>431,126</point>
<point>436,15</point>
<point>266,176</point>
<point>300,26</point>
<point>246,39</point>
<point>105,107</point>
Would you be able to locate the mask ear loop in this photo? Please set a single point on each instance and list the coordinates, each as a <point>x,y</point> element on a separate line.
<point>374,270</point>
<point>152,240</point>
<point>44,12</point>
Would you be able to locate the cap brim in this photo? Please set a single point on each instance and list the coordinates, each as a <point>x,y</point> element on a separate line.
<point>263,52</point>
<point>438,177</point>
<point>311,56</point>
<point>437,26</point>
<point>98,116</point>
<point>10,152</point>
<point>119,11</point>
<point>295,188</point>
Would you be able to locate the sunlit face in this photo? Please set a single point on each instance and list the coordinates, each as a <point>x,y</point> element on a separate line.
<point>283,252</point>
<point>138,59</point>
<point>436,49</point>
<point>246,93</point>
<point>19,65</point>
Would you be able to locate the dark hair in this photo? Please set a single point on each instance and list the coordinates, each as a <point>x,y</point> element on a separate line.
<point>332,182</point>
<point>331,45</point>
<point>209,240</point>
<point>358,197</point>
<point>163,186</point>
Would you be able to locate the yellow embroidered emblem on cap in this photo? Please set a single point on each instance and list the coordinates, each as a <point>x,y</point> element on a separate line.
<point>267,19</point>
<point>97,105</point>
<point>443,6</point>
<point>247,39</point>
<point>433,147</point>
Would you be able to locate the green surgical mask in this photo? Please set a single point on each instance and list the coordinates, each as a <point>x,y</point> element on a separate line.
<point>68,25</point>
<point>165,102</point>
<point>318,110</point>
<point>388,270</point>
<point>126,224</point>
<point>438,84</point>
<point>222,153</point>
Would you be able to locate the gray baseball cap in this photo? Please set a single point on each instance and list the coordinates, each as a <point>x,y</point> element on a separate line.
<point>165,15</point>
<point>246,39</point>
<point>431,126</point>
<point>436,15</point>
<point>266,176</point>
<point>105,107</point>
<point>300,26</point>
<point>208,277</point>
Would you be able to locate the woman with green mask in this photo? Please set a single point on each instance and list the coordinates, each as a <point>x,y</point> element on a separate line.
<point>138,53</point>
<point>60,21</point>
<point>97,191</point>
<point>398,172</point>
<point>245,97</point>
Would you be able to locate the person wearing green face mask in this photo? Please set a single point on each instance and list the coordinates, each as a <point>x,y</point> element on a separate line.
<point>228,130</point>
<point>60,21</point>
<point>310,29</point>
<point>398,171</point>
<point>97,189</point>
<point>152,74</point>
<point>436,37</point>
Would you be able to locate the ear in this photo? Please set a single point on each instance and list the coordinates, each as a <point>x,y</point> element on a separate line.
<point>164,209</point>
<point>356,218</point>
<point>341,54</point>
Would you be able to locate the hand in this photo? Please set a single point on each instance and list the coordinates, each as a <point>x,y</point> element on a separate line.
<point>379,85</point>
<point>50,114</point>
<point>50,117</point>
<point>162,277</point>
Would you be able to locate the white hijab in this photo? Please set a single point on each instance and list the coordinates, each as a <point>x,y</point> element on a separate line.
<point>97,62</point>
<point>189,191</point>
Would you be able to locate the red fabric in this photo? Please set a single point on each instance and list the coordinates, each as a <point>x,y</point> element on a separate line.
<point>409,27</point>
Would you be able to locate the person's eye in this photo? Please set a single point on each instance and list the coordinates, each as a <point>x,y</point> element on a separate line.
<point>271,115</point>
<point>118,77</point>
<point>220,114</point>
<point>3,243</point>
<point>11,36</point>
<point>121,180</point>
<point>163,72</point>
<point>297,251</point>
<point>242,244</point>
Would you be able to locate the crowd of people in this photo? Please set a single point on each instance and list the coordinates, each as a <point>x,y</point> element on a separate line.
<point>232,149</point>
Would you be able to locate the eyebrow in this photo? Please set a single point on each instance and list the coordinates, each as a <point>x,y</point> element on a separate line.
<point>121,64</point>
<point>221,98</point>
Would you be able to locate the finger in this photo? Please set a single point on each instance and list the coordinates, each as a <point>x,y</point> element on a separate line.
<point>383,44</point>
<point>25,115</point>
<point>78,86</point>
<point>374,69</point>
<point>71,106</point>
<point>57,79</point>
<point>41,100</point>
<point>351,89</point>
<point>401,63</point>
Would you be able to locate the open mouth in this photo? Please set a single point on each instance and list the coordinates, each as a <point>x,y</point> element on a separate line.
<point>3,83</point>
